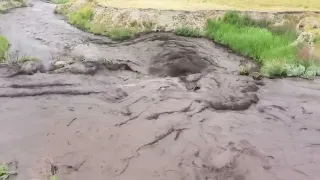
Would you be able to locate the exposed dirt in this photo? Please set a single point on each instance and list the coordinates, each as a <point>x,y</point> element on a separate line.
<point>157,107</point>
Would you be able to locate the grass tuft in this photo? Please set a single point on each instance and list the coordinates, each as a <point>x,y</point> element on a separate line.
<point>232,17</point>
<point>120,33</point>
<point>5,173</point>
<point>188,32</point>
<point>81,18</point>
<point>4,47</point>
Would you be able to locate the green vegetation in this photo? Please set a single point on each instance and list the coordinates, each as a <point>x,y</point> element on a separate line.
<point>120,33</point>
<point>53,177</point>
<point>234,18</point>
<point>272,50</point>
<point>11,4</point>
<point>5,173</point>
<point>60,1</point>
<point>81,18</point>
<point>4,47</point>
<point>188,32</point>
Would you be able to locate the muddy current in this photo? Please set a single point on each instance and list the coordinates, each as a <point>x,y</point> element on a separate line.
<point>155,107</point>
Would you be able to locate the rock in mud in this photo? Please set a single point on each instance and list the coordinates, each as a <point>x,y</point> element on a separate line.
<point>88,67</point>
<point>235,104</point>
<point>59,64</point>
<point>29,68</point>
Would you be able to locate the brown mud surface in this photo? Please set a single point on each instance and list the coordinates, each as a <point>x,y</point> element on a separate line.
<point>207,123</point>
<point>157,107</point>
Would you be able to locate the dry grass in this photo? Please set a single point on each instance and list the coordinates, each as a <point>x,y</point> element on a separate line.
<point>259,5</point>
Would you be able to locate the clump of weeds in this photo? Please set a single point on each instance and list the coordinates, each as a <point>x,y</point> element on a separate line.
<point>5,173</point>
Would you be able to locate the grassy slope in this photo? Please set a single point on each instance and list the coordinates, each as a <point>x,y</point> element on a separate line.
<point>271,48</point>
<point>263,5</point>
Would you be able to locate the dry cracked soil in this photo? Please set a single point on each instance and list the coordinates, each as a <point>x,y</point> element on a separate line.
<point>175,108</point>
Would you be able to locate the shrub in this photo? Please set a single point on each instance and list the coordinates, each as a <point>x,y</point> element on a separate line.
<point>232,17</point>
<point>273,68</point>
<point>120,33</point>
<point>81,17</point>
<point>98,28</point>
<point>188,32</point>
<point>4,47</point>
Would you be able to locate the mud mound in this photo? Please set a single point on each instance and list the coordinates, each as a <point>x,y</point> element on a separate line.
<point>164,54</point>
<point>176,62</point>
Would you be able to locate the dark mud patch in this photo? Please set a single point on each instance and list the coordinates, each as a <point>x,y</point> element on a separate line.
<point>177,61</point>
<point>39,85</point>
<point>168,54</point>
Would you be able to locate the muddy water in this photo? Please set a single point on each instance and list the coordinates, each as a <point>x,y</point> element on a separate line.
<point>36,31</point>
<point>172,115</point>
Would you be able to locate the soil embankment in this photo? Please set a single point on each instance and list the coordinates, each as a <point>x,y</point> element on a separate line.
<point>155,107</point>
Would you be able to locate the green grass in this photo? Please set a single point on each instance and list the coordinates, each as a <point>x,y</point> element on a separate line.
<point>272,50</point>
<point>81,18</point>
<point>232,17</point>
<point>116,34</point>
<point>60,1</point>
<point>4,47</point>
<point>120,33</point>
<point>188,32</point>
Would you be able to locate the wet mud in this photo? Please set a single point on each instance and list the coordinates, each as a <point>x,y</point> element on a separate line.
<point>155,107</point>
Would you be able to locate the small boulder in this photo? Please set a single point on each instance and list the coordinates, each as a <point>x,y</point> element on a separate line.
<point>78,68</point>
<point>31,67</point>
<point>59,64</point>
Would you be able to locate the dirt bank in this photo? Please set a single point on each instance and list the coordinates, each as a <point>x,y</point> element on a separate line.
<point>155,107</point>
<point>149,19</point>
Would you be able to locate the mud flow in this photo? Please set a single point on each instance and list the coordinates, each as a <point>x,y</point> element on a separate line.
<point>155,107</point>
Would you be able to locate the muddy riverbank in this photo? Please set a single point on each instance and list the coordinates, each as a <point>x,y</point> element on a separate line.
<point>36,31</point>
<point>155,107</point>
